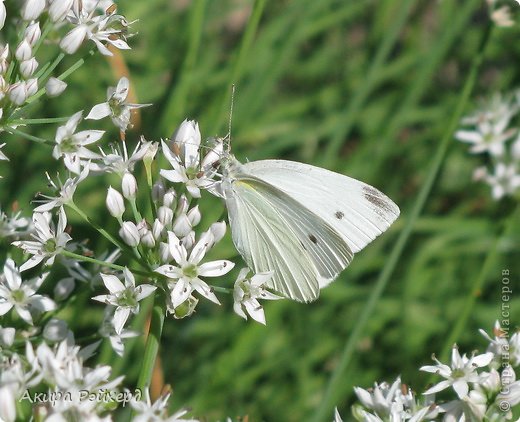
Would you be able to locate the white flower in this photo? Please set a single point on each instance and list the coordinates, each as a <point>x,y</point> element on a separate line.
<point>505,181</point>
<point>55,330</point>
<point>156,412</point>
<point>33,33</point>
<point>107,330</point>
<point>55,87</point>
<point>462,372</point>
<point>23,51</point>
<point>72,146</point>
<point>119,162</point>
<point>186,276</point>
<point>337,416</point>
<point>129,186</point>
<point>65,192</point>
<point>125,297</point>
<point>59,9</point>
<point>22,295</point>
<point>115,106</point>
<point>48,241</point>
<point>7,335</point>
<point>14,226</point>
<point>18,92</point>
<point>247,291</point>
<point>185,159</point>
<point>28,67</point>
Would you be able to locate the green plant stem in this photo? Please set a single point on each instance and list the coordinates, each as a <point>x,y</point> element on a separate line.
<point>103,263</point>
<point>469,304</point>
<point>331,394</point>
<point>27,136</point>
<point>152,341</point>
<point>360,96</point>
<point>39,121</point>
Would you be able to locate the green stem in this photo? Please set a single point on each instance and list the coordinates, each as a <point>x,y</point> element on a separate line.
<point>103,263</point>
<point>152,341</point>
<point>333,388</point>
<point>96,226</point>
<point>26,136</point>
<point>463,317</point>
<point>38,121</point>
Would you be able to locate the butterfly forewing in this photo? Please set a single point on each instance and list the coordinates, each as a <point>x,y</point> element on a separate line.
<point>356,211</point>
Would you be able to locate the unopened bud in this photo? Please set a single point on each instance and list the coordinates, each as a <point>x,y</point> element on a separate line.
<point>59,9</point>
<point>182,226</point>
<point>18,93</point>
<point>28,67</point>
<point>169,199</point>
<point>194,216</point>
<point>157,229</point>
<point>3,14</point>
<point>219,230</point>
<point>23,51</point>
<point>158,190</point>
<point>32,9</point>
<point>129,186</point>
<point>31,87</point>
<point>33,33</point>
<point>129,234</point>
<point>165,215</point>
<point>164,253</point>
<point>54,87</point>
<point>115,203</point>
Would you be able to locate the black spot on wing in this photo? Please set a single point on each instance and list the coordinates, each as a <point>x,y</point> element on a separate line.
<point>313,239</point>
<point>376,198</point>
<point>339,215</point>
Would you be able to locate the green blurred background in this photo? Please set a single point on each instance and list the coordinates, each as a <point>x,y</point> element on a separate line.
<point>365,88</point>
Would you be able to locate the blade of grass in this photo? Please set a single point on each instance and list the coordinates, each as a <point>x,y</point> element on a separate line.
<point>360,96</point>
<point>175,107</point>
<point>331,394</point>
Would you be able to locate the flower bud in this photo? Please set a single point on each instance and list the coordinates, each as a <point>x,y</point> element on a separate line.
<point>129,234</point>
<point>55,330</point>
<point>7,336</point>
<point>169,199</point>
<point>33,33</point>
<point>187,132</point>
<point>147,239</point>
<point>115,203</point>
<point>32,9</point>
<point>23,51</point>
<point>54,87</point>
<point>165,215</point>
<point>3,14</point>
<point>64,288</point>
<point>194,216</point>
<point>4,54</point>
<point>18,93</point>
<point>219,230</point>
<point>182,207</point>
<point>129,186</point>
<point>157,229</point>
<point>182,226</point>
<point>189,240</point>
<point>31,87</point>
<point>158,190</point>
<point>59,9</point>
<point>28,67</point>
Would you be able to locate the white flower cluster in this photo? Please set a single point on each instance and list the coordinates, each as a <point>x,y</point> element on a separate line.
<point>485,388</point>
<point>490,131</point>
<point>500,13</point>
<point>22,77</point>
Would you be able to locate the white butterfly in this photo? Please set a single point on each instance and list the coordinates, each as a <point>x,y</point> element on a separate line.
<point>302,222</point>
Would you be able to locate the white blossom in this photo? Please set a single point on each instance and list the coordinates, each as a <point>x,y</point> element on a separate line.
<point>21,295</point>
<point>184,157</point>
<point>125,297</point>
<point>185,276</point>
<point>461,372</point>
<point>49,239</point>
<point>120,162</point>
<point>246,293</point>
<point>116,106</point>
<point>115,203</point>
<point>32,9</point>
<point>54,87</point>
<point>146,411</point>
<point>72,146</point>
<point>130,233</point>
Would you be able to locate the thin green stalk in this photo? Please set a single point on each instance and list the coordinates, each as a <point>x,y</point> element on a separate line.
<point>360,96</point>
<point>103,263</point>
<point>26,136</point>
<point>239,63</point>
<point>469,304</point>
<point>153,341</point>
<point>331,394</point>
<point>176,104</point>
<point>39,121</point>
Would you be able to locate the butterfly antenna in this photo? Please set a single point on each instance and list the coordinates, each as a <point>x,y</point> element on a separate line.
<point>228,137</point>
